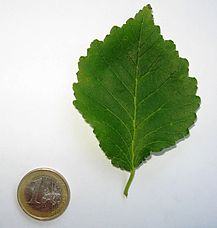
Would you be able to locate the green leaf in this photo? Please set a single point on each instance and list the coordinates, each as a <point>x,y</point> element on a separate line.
<point>135,92</point>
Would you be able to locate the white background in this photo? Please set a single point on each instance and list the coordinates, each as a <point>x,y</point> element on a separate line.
<point>40,44</point>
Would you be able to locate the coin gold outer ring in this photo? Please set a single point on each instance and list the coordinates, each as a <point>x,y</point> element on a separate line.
<point>26,180</point>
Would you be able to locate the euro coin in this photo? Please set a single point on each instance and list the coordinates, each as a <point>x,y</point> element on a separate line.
<point>43,194</point>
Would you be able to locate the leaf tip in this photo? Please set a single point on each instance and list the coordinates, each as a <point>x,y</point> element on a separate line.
<point>149,6</point>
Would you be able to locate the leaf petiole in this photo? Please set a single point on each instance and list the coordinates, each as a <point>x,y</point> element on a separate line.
<point>132,174</point>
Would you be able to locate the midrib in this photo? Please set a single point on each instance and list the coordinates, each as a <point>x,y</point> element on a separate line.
<point>135,102</point>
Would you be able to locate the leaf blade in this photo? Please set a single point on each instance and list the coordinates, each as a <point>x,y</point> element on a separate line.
<point>135,91</point>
